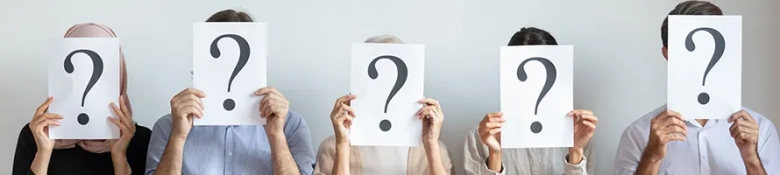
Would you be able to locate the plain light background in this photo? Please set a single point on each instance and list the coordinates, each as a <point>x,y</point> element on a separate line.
<point>619,71</point>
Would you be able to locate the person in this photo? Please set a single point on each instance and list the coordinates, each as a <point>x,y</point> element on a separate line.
<point>336,156</point>
<point>664,142</point>
<point>282,146</point>
<point>37,154</point>
<point>483,153</point>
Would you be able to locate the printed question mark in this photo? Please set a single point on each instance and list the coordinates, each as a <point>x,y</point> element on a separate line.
<point>720,45</point>
<point>243,57</point>
<point>97,71</point>
<point>403,72</point>
<point>536,126</point>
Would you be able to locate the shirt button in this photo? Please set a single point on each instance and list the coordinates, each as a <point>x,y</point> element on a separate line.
<point>230,153</point>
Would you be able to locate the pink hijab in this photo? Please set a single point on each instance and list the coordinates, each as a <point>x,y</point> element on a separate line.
<point>92,30</point>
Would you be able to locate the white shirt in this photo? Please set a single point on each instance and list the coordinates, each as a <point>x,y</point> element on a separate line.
<point>384,160</point>
<point>707,150</point>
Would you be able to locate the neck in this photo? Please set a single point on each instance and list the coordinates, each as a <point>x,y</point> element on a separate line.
<point>702,121</point>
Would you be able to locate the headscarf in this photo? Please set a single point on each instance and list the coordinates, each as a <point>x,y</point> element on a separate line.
<point>92,30</point>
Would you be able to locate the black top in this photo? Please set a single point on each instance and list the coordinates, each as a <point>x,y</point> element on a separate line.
<point>79,161</point>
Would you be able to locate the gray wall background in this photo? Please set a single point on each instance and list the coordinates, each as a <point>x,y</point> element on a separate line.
<point>619,70</point>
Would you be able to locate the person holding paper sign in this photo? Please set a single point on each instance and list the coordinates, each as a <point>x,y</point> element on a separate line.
<point>483,153</point>
<point>337,157</point>
<point>664,142</point>
<point>282,146</point>
<point>37,154</point>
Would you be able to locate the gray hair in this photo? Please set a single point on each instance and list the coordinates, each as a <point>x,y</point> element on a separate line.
<point>384,39</point>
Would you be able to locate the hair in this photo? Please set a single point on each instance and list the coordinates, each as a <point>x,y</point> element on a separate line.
<point>384,39</point>
<point>688,8</point>
<point>230,15</point>
<point>532,36</point>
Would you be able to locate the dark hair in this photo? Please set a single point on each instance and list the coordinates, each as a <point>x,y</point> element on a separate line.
<point>688,8</point>
<point>230,15</point>
<point>532,36</point>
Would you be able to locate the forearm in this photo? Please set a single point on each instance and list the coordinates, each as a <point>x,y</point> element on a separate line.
<point>754,166</point>
<point>280,154</point>
<point>575,155</point>
<point>171,160</point>
<point>494,161</point>
<point>40,164</point>
<point>121,167</point>
<point>648,165</point>
<point>433,153</point>
<point>341,161</point>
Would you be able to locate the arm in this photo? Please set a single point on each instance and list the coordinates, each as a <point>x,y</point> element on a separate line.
<point>433,154</point>
<point>121,167</point>
<point>576,162</point>
<point>629,158</point>
<point>768,150</point>
<point>341,161</point>
<point>171,160</point>
<point>326,157</point>
<point>292,147</point>
<point>475,159</point>
<point>164,153</point>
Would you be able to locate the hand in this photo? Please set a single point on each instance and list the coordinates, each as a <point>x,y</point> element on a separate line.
<point>490,130</point>
<point>432,120</point>
<point>745,132</point>
<point>664,128</point>
<point>185,106</point>
<point>273,107</point>
<point>341,117</point>
<point>39,125</point>
<point>126,127</point>
<point>584,127</point>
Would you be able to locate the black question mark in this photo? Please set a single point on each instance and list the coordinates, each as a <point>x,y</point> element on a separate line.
<point>720,46</point>
<point>97,71</point>
<point>243,57</point>
<point>536,127</point>
<point>403,72</point>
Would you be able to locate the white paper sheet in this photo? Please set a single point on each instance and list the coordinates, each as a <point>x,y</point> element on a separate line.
<point>89,121</point>
<point>212,75</point>
<point>370,127</point>
<point>721,91</point>
<point>526,125</point>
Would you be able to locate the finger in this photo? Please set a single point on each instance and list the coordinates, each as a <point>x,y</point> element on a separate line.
<point>676,129</point>
<point>423,110</point>
<point>191,109</point>
<point>44,107</point>
<point>265,111</point>
<point>116,110</point>
<point>497,119</point>
<point>187,99</point>
<point>429,101</point>
<point>494,114</point>
<point>494,131</point>
<point>589,124</point>
<point>51,116</point>
<point>267,91</point>
<point>49,122</point>
<point>196,92</point>
<point>349,110</point>
<point>123,106</point>
<point>494,124</point>
<point>344,99</point>
<point>428,113</point>
<point>672,137</point>
<point>672,121</point>
<point>118,123</point>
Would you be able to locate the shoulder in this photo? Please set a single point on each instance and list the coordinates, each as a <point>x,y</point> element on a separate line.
<point>142,133</point>
<point>328,145</point>
<point>295,120</point>
<point>472,133</point>
<point>163,122</point>
<point>643,123</point>
<point>25,134</point>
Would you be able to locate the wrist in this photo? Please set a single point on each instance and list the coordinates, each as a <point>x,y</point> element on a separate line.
<point>651,156</point>
<point>43,153</point>
<point>575,155</point>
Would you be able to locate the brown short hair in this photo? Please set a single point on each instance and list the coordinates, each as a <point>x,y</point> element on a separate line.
<point>230,15</point>
<point>688,8</point>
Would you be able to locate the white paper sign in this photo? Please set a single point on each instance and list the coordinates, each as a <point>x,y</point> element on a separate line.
<point>229,62</point>
<point>536,95</point>
<point>84,81</point>
<point>388,81</point>
<point>705,66</point>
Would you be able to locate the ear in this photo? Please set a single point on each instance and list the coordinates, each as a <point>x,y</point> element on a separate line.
<point>665,51</point>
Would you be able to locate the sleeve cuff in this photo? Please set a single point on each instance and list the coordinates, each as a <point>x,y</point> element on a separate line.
<point>575,169</point>
<point>487,169</point>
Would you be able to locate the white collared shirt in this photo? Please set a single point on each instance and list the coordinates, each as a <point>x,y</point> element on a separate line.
<point>708,149</point>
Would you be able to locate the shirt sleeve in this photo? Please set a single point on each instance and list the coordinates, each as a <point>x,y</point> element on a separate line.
<point>157,142</point>
<point>445,157</point>
<point>299,142</point>
<point>629,151</point>
<point>475,156</point>
<point>769,147</point>
<point>325,157</point>
<point>575,169</point>
<point>25,152</point>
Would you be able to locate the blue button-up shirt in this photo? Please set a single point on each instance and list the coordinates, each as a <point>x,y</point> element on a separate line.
<point>234,150</point>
